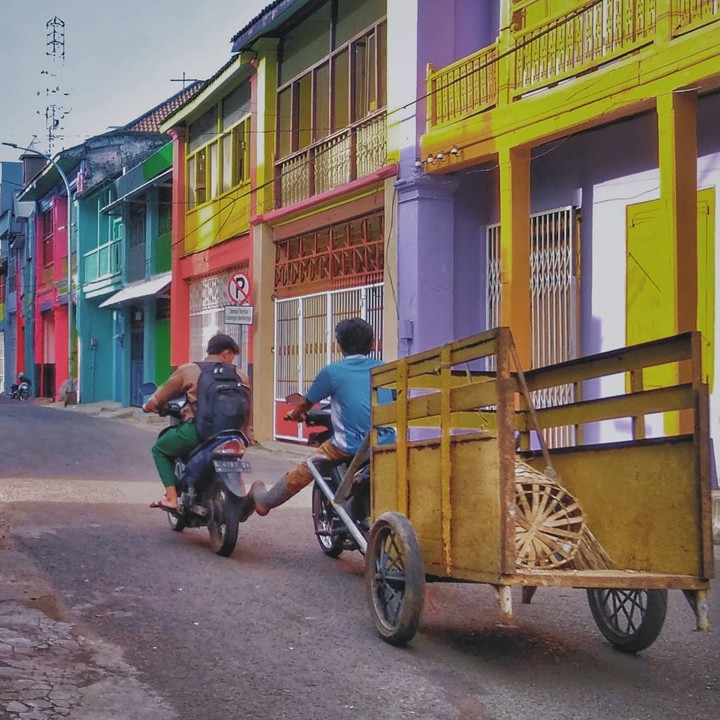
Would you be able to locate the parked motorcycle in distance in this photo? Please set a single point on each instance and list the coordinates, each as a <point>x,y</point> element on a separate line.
<point>20,391</point>
<point>341,491</point>
<point>210,485</point>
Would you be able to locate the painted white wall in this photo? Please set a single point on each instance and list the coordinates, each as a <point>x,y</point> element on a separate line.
<point>403,78</point>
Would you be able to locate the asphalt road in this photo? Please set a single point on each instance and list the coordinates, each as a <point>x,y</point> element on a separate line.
<point>119,617</point>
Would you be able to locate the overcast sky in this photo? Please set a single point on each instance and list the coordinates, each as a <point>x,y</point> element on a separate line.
<point>120,58</point>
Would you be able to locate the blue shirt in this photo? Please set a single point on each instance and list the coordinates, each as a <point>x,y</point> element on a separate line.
<point>347,384</point>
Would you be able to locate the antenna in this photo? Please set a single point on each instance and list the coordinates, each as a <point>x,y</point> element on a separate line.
<point>55,110</point>
<point>184,80</point>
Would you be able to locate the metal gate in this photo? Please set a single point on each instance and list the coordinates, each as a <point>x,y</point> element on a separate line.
<point>305,338</point>
<point>554,288</point>
<point>208,300</point>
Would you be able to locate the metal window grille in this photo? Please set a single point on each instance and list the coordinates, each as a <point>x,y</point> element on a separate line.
<point>554,278</point>
<point>305,333</point>
<point>208,299</point>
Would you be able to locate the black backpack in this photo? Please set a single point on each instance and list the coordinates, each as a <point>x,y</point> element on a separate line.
<point>223,402</point>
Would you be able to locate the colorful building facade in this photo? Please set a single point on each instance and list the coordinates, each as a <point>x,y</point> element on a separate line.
<point>569,163</point>
<point>11,257</point>
<point>300,115</point>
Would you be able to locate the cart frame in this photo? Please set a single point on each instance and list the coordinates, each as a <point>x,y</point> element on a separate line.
<point>462,418</point>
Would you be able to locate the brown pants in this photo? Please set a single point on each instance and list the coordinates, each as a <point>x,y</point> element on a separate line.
<point>298,478</point>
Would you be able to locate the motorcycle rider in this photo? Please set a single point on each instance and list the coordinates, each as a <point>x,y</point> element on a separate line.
<point>179,441</point>
<point>347,384</point>
<point>15,387</point>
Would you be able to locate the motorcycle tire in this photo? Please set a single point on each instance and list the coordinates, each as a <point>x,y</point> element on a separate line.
<point>223,520</point>
<point>325,520</point>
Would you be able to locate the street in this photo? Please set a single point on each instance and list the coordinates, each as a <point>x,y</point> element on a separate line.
<point>107,614</point>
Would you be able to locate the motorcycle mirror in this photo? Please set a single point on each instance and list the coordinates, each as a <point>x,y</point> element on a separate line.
<point>148,388</point>
<point>295,399</point>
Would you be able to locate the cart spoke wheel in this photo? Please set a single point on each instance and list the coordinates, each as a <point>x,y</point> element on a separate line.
<point>394,578</point>
<point>630,620</point>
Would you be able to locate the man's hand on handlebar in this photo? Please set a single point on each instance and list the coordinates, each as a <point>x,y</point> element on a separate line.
<point>297,414</point>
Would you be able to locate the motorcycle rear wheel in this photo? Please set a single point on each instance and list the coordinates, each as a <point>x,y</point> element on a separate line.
<point>223,521</point>
<point>325,520</point>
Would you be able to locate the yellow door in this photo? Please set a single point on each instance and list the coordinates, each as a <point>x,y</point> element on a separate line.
<point>649,298</point>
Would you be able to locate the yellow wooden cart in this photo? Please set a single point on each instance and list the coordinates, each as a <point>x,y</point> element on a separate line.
<point>463,496</point>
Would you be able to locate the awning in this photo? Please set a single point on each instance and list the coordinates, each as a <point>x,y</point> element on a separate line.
<point>146,288</point>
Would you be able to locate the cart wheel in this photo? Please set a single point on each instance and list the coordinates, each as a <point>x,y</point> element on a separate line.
<point>394,578</point>
<point>630,620</point>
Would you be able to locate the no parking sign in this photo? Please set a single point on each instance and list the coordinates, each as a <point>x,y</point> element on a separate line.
<point>239,289</point>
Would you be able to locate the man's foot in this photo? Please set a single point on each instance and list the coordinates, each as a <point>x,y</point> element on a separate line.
<point>257,491</point>
<point>165,505</point>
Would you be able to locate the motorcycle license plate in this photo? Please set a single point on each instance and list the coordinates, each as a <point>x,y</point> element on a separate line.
<point>232,466</point>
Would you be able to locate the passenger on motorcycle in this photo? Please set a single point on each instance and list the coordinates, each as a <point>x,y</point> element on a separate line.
<point>347,384</point>
<point>180,440</point>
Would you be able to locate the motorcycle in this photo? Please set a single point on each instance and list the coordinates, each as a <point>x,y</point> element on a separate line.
<point>20,391</point>
<point>210,485</point>
<point>341,491</point>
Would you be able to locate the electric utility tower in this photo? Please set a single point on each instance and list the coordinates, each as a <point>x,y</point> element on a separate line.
<point>56,109</point>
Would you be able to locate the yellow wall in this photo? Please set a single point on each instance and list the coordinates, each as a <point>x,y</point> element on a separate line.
<point>226,217</point>
<point>650,283</point>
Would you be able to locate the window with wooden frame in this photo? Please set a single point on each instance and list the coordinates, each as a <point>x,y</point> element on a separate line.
<point>218,158</point>
<point>331,77</point>
<point>46,229</point>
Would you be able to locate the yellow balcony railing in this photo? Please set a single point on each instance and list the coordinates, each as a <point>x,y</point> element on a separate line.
<point>690,14</point>
<point>351,153</point>
<point>580,40</point>
<point>536,54</point>
<point>463,88</point>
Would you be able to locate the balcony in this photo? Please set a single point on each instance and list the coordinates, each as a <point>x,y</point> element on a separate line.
<point>102,262</point>
<point>352,153</point>
<point>594,35</point>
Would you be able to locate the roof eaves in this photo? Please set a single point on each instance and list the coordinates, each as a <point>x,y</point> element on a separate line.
<point>271,18</point>
<point>151,120</point>
<point>235,71</point>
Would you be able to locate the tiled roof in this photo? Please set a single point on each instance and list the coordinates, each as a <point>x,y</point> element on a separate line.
<point>153,119</point>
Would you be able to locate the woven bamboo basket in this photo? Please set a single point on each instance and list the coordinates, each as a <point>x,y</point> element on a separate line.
<point>551,531</point>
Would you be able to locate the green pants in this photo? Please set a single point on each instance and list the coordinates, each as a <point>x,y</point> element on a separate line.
<point>176,442</point>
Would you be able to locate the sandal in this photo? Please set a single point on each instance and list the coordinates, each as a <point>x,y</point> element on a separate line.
<point>163,506</point>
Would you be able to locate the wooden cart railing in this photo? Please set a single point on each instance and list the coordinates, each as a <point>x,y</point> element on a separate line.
<point>460,428</point>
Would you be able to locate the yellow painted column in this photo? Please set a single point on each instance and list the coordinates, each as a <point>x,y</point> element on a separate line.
<point>263,264</point>
<point>515,298</point>
<point>390,276</point>
<point>677,152</point>
<point>265,99</point>
<point>263,253</point>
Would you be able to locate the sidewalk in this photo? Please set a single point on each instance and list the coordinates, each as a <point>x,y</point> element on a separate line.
<point>114,410</point>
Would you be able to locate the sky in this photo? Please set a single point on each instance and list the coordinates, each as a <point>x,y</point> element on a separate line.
<point>120,58</point>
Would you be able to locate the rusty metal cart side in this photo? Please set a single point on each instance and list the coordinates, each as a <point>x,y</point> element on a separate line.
<point>447,502</point>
